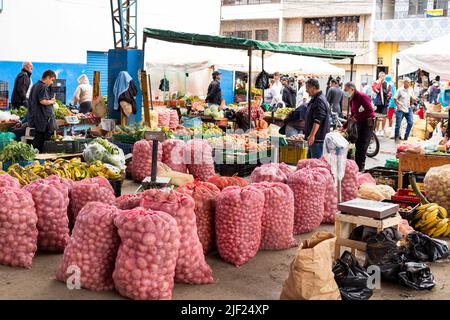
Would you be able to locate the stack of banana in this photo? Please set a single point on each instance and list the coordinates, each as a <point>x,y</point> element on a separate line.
<point>431,219</point>
<point>73,169</point>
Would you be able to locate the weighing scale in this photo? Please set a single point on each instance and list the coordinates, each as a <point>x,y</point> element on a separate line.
<point>154,182</point>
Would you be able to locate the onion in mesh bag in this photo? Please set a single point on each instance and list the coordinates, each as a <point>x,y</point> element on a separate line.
<point>92,248</point>
<point>350,181</point>
<point>204,195</point>
<point>128,201</point>
<point>271,172</point>
<point>191,267</point>
<point>308,185</point>
<point>18,231</point>
<point>199,159</point>
<point>88,190</point>
<point>147,256</point>
<point>278,216</point>
<point>7,181</point>
<point>142,159</point>
<point>437,185</point>
<point>238,223</point>
<point>173,155</point>
<point>174,121</point>
<point>51,199</point>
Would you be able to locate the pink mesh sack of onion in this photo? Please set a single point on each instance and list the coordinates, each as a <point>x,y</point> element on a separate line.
<point>278,216</point>
<point>92,248</point>
<point>141,166</point>
<point>173,155</point>
<point>350,184</point>
<point>238,223</point>
<point>89,190</point>
<point>51,199</point>
<point>192,267</point>
<point>7,181</point>
<point>199,159</point>
<point>147,256</point>
<point>128,201</point>
<point>271,172</point>
<point>174,121</point>
<point>18,230</point>
<point>309,186</point>
<point>204,195</point>
<point>163,118</point>
<point>331,196</point>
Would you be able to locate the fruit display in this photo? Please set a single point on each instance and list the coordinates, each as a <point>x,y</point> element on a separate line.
<point>73,169</point>
<point>239,142</point>
<point>89,117</point>
<point>437,184</point>
<point>209,129</point>
<point>283,112</point>
<point>18,151</point>
<point>431,219</point>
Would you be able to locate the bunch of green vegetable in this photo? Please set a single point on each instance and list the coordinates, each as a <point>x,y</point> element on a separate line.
<point>21,112</point>
<point>61,110</point>
<point>18,151</point>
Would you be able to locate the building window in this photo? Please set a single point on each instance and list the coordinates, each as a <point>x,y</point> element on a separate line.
<point>417,7</point>
<point>331,29</point>
<point>262,35</point>
<point>238,34</point>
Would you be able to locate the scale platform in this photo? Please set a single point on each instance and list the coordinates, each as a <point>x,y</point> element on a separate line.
<point>369,208</point>
<point>160,183</point>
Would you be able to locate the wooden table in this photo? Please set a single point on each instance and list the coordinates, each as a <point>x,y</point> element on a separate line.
<point>418,163</point>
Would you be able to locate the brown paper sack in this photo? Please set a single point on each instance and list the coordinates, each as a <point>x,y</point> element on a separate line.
<point>311,276</point>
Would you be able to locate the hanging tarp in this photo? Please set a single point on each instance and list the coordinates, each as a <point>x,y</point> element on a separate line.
<point>432,56</point>
<point>243,44</point>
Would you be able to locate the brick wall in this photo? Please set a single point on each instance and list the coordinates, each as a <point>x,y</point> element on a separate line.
<point>252,25</point>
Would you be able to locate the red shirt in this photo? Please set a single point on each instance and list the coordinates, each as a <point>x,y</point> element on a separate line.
<point>361,107</point>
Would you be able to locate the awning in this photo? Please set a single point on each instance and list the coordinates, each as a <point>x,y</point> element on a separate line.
<point>432,56</point>
<point>243,44</point>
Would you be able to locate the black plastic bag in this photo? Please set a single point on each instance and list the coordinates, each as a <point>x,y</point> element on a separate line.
<point>262,81</point>
<point>424,248</point>
<point>416,276</point>
<point>382,251</point>
<point>362,233</point>
<point>230,114</point>
<point>352,131</point>
<point>351,278</point>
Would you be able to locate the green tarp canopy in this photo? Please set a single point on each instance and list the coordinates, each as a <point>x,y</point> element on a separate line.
<point>243,44</point>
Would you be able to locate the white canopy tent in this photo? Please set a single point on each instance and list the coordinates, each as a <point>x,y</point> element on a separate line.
<point>432,56</point>
<point>175,60</point>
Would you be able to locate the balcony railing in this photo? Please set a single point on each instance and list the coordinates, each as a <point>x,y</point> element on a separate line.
<point>337,45</point>
<point>247,2</point>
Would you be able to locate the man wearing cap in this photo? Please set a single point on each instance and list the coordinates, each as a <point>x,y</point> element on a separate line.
<point>404,98</point>
<point>214,96</point>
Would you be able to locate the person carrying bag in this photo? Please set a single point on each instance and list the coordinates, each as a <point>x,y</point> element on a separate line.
<point>363,118</point>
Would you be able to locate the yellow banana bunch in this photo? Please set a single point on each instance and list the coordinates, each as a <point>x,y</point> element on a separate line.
<point>431,219</point>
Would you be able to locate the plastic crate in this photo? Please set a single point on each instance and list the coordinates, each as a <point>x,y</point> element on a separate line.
<point>292,155</point>
<point>124,138</point>
<point>405,198</point>
<point>384,175</point>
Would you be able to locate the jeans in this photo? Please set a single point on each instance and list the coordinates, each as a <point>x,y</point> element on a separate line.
<point>364,135</point>
<point>291,131</point>
<point>315,151</point>
<point>399,115</point>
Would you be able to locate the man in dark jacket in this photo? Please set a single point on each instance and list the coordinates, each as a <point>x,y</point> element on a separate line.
<point>214,95</point>
<point>289,95</point>
<point>335,96</point>
<point>40,113</point>
<point>21,85</point>
<point>317,119</point>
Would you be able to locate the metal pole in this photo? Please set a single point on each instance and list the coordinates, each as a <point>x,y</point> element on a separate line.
<point>154,160</point>
<point>249,91</point>
<point>352,62</point>
<point>397,62</point>
<point>262,60</point>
